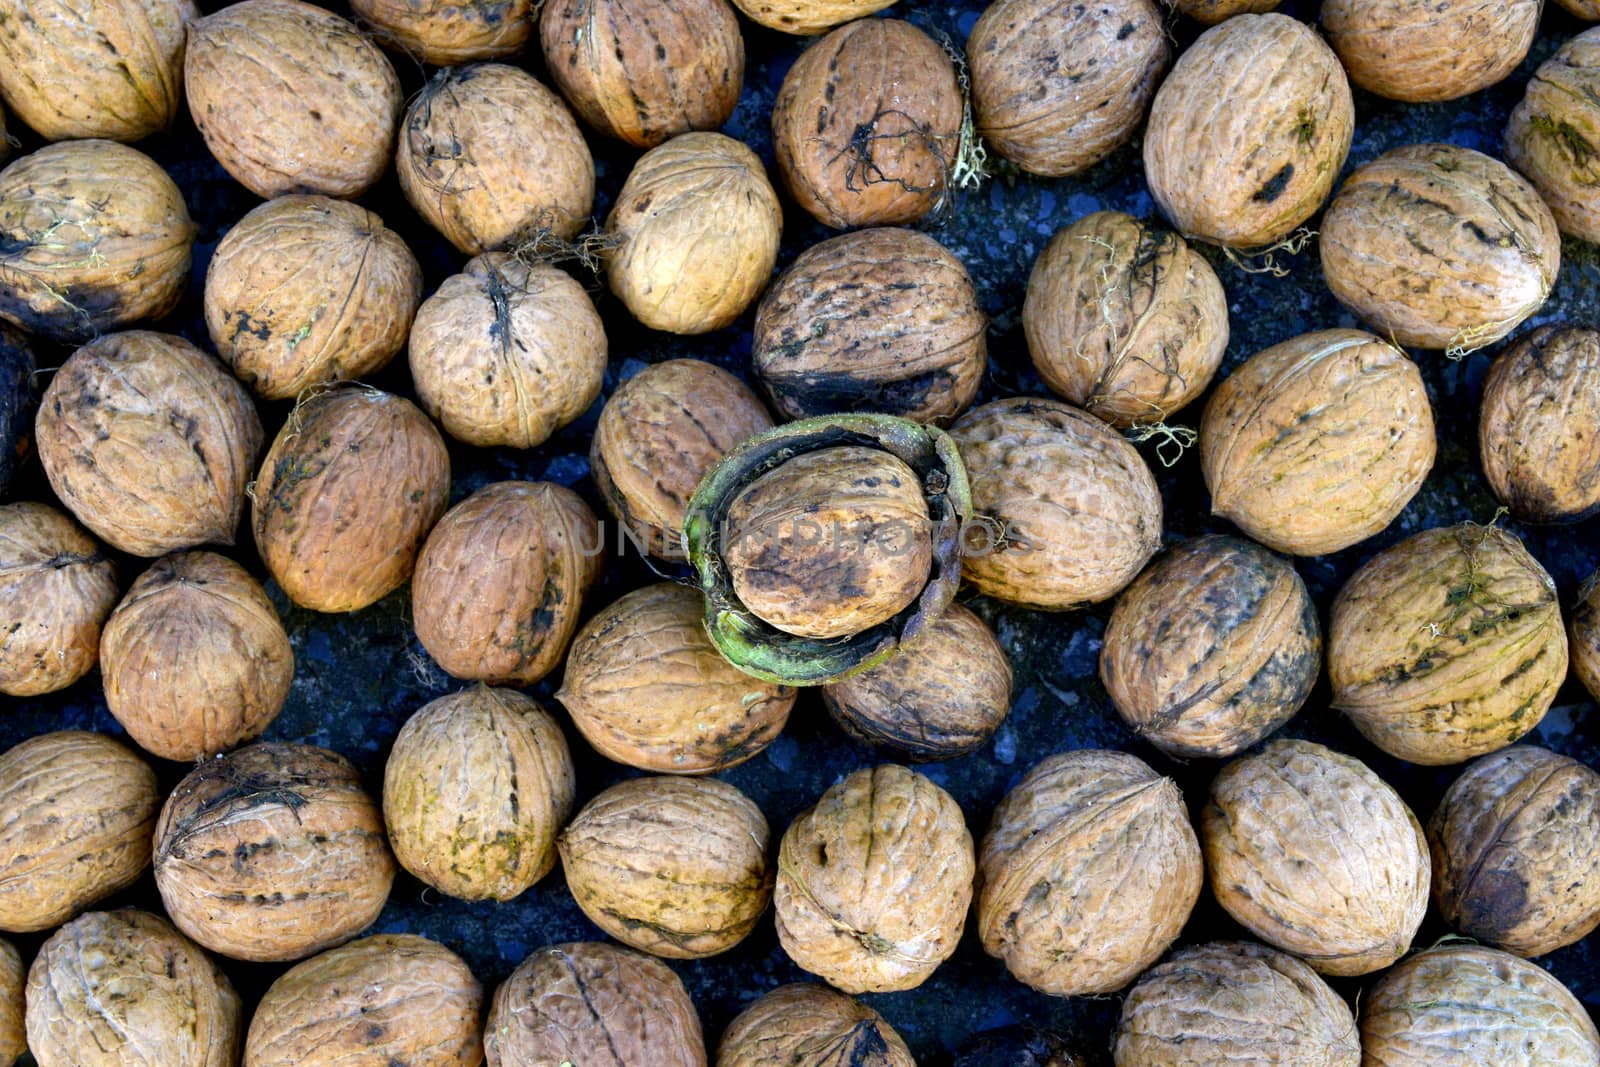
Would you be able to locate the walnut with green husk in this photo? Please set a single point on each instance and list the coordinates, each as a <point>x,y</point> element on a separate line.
<point>1448,645</point>
<point>13,1041</point>
<point>1585,636</point>
<point>807,18</point>
<point>1553,134</point>
<point>676,867</point>
<point>76,811</point>
<point>804,1025</point>
<point>1123,319</point>
<point>475,791</point>
<point>1087,874</point>
<point>1317,443</point>
<point>56,588</point>
<point>1316,855</point>
<point>1428,50</point>
<point>1212,648</point>
<point>443,33</point>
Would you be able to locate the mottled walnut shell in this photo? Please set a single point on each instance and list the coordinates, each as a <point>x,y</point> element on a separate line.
<point>18,397</point>
<point>93,236</point>
<point>1318,443</point>
<point>347,493</point>
<point>1427,50</point>
<point>644,71</point>
<point>195,659</point>
<point>1316,855</point>
<point>271,853</point>
<point>874,881</point>
<point>676,867</point>
<point>941,696</point>
<point>1537,429</point>
<point>596,1005</point>
<point>13,1041</point>
<point>1552,135</point>
<point>1212,648</point>
<point>1088,873</point>
<point>658,436</point>
<point>1124,320</point>
<point>1211,12</point>
<point>805,1025</point>
<point>1448,645</point>
<point>1232,1002</point>
<point>807,18</point>
<point>291,98</point>
<point>647,688</point>
<point>56,588</point>
<point>306,290</point>
<point>880,320</point>
<point>830,543</point>
<point>1516,851</point>
<point>100,68</point>
<point>867,125</point>
<point>476,789</point>
<point>124,989</point>
<point>1464,1006</point>
<point>506,354</point>
<point>501,581</point>
<point>1585,636</point>
<point>76,811</point>
<point>1076,509</point>
<point>491,158</point>
<point>1248,132</point>
<point>1058,87</point>
<point>386,999</point>
<point>1439,247</point>
<point>448,32</point>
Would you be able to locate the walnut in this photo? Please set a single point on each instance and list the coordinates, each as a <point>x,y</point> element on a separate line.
<point>56,588</point>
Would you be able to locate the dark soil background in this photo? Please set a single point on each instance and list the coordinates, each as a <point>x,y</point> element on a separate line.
<point>359,676</point>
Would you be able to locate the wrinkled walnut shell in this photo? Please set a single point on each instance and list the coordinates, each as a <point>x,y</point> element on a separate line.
<point>56,588</point>
<point>1585,636</point>
<point>1211,12</point>
<point>1552,134</point>
<point>804,1025</point>
<point>13,1040</point>
<point>1429,50</point>
<point>445,33</point>
<point>1583,9</point>
<point>807,18</point>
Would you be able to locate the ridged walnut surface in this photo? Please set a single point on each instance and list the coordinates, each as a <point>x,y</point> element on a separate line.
<point>1211,12</point>
<point>56,587</point>
<point>804,1025</point>
<point>1553,134</point>
<point>13,1040</point>
<point>808,18</point>
<point>1428,50</point>
<point>1585,636</point>
<point>443,33</point>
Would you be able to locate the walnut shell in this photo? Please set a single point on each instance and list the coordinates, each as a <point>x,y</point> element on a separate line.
<point>13,1040</point>
<point>696,228</point>
<point>1583,9</point>
<point>1316,855</point>
<point>1056,88</point>
<point>804,1025</point>
<point>1211,12</point>
<point>874,881</point>
<point>56,588</point>
<point>18,397</point>
<point>476,789</point>
<point>306,290</point>
<point>97,69</point>
<point>348,491</point>
<point>93,236</point>
<point>941,696</point>
<point>1124,320</point>
<point>882,320</point>
<point>867,124</point>
<point>1077,512</point>
<point>1318,443</point>
<point>76,811</point>
<point>501,581</point>
<point>1232,1002</point>
<point>1212,648</point>
<point>491,158</point>
<point>1440,247</point>
<point>124,989</point>
<point>807,18</point>
<point>676,867</point>
<point>596,1005</point>
<point>1464,1006</point>
<point>1539,397</point>
<point>1249,131</point>
<point>1448,645</point>
<point>1585,636</point>
<point>830,543</point>
<point>1088,873</point>
<point>647,688</point>
<point>643,71</point>
<point>291,98</point>
<point>385,999</point>
<point>1428,50</point>
<point>195,659</point>
<point>1552,135</point>
<point>1516,851</point>
<point>271,853</point>
<point>505,353</point>
<point>658,436</point>
<point>444,33</point>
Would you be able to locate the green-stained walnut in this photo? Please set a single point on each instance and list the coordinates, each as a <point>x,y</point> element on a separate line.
<point>1585,636</point>
<point>676,867</point>
<point>13,1041</point>
<point>1448,645</point>
<point>1430,50</point>
<point>1553,135</point>
<point>57,586</point>
<point>447,32</point>
<point>764,649</point>
<point>475,790</point>
<point>805,1025</point>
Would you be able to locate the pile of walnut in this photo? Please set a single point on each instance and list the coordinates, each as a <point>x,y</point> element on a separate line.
<point>856,417</point>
